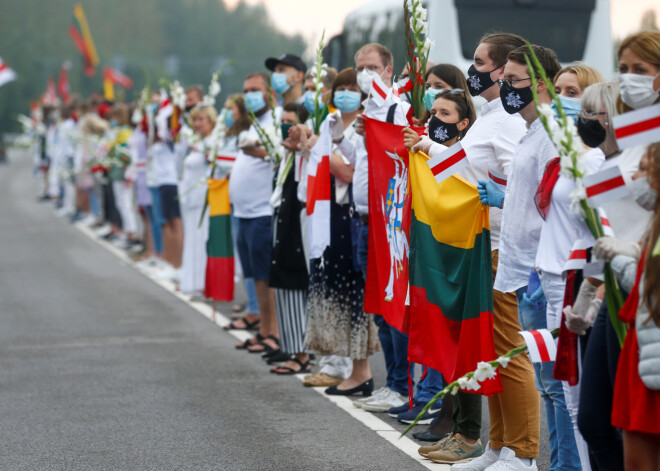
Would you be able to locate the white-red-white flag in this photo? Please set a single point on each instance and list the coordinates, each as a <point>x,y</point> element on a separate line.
<point>318,193</point>
<point>49,98</point>
<point>605,222</point>
<point>402,87</point>
<point>637,127</point>
<point>605,186</point>
<point>379,91</point>
<point>448,162</point>
<point>6,74</point>
<point>577,259</point>
<point>540,345</point>
<point>117,78</point>
<point>498,178</point>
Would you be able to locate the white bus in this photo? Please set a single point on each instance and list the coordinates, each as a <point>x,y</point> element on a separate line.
<point>577,30</point>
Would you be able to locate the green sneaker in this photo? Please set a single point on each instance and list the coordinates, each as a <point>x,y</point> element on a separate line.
<point>456,450</point>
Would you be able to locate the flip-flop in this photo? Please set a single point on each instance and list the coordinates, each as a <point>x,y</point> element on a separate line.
<point>248,325</point>
<point>304,368</point>
<point>266,348</point>
<point>247,343</point>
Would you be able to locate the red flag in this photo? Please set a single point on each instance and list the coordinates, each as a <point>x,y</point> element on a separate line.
<point>117,78</point>
<point>63,87</point>
<point>49,98</point>
<point>389,223</point>
<point>319,193</point>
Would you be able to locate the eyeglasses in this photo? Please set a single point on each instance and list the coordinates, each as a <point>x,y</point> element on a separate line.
<point>510,82</point>
<point>455,91</point>
<point>591,114</point>
<point>371,68</point>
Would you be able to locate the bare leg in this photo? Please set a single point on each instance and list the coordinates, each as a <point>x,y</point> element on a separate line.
<point>177,241</point>
<point>641,451</point>
<point>167,243</point>
<point>266,299</point>
<point>361,373</point>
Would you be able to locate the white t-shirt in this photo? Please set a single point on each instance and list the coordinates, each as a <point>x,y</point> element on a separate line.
<point>164,164</point>
<point>490,144</point>
<point>361,174</point>
<point>562,228</point>
<point>521,221</point>
<point>629,220</point>
<point>251,179</point>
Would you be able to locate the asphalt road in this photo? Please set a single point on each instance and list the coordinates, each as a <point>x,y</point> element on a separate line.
<point>101,369</point>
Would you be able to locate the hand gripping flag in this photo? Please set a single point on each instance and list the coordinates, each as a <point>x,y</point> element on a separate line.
<point>6,74</point>
<point>451,277</point>
<point>219,246</point>
<point>637,127</point>
<point>450,161</point>
<point>318,193</point>
<point>389,222</point>
<point>605,186</point>
<point>540,345</point>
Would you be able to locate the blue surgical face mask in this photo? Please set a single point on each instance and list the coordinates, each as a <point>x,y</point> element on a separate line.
<point>154,107</point>
<point>113,123</point>
<point>347,101</point>
<point>255,101</point>
<point>229,119</point>
<point>279,83</point>
<point>571,106</point>
<point>309,99</point>
<point>429,97</point>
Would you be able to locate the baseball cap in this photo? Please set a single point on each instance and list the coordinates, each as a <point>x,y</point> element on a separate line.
<point>286,59</point>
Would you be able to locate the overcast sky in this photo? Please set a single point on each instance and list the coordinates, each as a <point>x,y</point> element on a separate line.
<point>311,16</point>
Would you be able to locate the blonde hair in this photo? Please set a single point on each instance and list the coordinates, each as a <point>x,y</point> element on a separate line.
<point>385,54</point>
<point>209,111</point>
<point>586,75</point>
<point>645,45</point>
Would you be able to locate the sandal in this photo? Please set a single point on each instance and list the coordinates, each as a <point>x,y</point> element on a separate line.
<point>277,356</point>
<point>266,348</point>
<point>287,370</point>
<point>258,339</point>
<point>248,325</point>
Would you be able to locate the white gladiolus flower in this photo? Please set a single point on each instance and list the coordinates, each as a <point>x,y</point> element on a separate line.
<point>428,44</point>
<point>484,371</point>
<point>504,361</point>
<point>462,382</point>
<point>473,384</point>
<point>454,391</point>
<point>578,194</point>
<point>178,95</point>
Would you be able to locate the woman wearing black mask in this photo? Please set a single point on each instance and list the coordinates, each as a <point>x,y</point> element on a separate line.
<point>452,114</point>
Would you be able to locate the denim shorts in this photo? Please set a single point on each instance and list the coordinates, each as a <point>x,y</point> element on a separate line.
<point>255,243</point>
<point>169,201</point>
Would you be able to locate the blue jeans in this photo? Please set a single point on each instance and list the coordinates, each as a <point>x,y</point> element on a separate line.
<point>429,387</point>
<point>563,449</point>
<point>156,220</point>
<point>393,342</point>
<point>252,302</point>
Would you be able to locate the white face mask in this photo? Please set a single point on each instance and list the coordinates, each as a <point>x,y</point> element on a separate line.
<point>365,79</point>
<point>644,195</point>
<point>637,90</point>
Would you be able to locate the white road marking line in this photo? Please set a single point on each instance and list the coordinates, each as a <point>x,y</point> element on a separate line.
<point>371,421</point>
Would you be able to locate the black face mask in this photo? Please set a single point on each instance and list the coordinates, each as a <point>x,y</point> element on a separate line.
<point>441,132</point>
<point>591,132</point>
<point>479,82</point>
<point>189,108</point>
<point>515,99</point>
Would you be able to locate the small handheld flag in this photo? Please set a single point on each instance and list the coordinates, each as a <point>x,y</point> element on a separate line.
<point>379,91</point>
<point>498,178</point>
<point>540,345</point>
<point>605,186</point>
<point>6,74</point>
<point>637,127</point>
<point>448,162</point>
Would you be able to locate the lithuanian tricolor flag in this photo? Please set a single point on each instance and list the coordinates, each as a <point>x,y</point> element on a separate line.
<point>220,246</point>
<point>82,37</point>
<point>451,278</point>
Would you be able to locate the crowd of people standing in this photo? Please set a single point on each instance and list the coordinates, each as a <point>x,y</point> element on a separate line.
<point>140,175</point>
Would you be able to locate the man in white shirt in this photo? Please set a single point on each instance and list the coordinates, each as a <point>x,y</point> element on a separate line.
<point>516,447</point>
<point>375,59</point>
<point>250,189</point>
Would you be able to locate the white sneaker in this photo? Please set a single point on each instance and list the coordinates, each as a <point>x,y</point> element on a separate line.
<point>508,461</point>
<point>478,464</point>
<point>167,272</point>
<point>121,242</point>
<point>104,230</point>
<point>377,393</point>
<point>385,402</point>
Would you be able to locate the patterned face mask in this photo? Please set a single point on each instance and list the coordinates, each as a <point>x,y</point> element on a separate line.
<point>515,99</point>
<point>478,82</point>
<point>441,132</point>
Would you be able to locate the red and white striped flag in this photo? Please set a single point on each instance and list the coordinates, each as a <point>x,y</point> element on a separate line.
<point>6,74</point>
<point>117,78</point>
<point>605,186</point>
<point>226,158</point>
<point>607,227</point>
<point>637,127</point>
<point>448,162</point>
<point>318,193</point>
<point>498,178</point>
<point>379,91</point>
<point>402,87</point>
<point>577,259</point>
<point>540,345</point>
